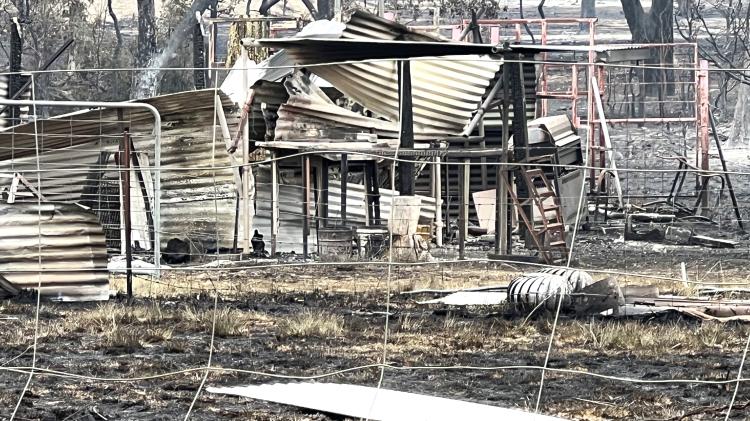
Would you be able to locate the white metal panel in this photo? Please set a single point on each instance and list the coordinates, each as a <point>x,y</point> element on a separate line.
<point>377,404</point>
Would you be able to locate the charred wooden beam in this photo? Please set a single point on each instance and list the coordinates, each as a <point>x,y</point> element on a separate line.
<point>406,119</point>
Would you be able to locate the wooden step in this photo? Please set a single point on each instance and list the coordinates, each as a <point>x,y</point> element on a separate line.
<point>560,243</point>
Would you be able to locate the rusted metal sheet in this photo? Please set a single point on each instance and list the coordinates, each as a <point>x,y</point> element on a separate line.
<point>65,173</point>
<point>446,91</point>
<point>363,25</point>
<point>4,82</point>
<point>87,126</point>
<point>309,114</point>
<point>198,202</point>
<point>60,245</point>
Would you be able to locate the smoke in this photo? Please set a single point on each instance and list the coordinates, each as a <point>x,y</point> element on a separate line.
<point>147,83</point>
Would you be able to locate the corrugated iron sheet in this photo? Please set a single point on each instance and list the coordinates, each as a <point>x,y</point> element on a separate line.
<point>65,173</point>
<point>88,126</point>
<point>197,203</point>
<point>445,92</point>
<point>291,196</point>
<point>310,114</point>
<point>364,402</point>
<point>73,251</point>
<point>267,96</point>
<point>26,95</point>
<point>364,25</point>
<point>356,209</point>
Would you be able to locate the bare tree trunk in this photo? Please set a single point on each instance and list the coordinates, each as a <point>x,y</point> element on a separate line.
<point>588,10</point>
<point>199,58</point>
<point>740,125</point>
<point>146,32</point>
<point>654,27</point>
<point>146,79</point>
<point>118,48</point>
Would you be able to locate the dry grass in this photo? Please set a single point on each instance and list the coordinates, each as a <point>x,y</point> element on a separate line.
<point>654,338</point>
<point>312,323</point>
<point>229,322</point>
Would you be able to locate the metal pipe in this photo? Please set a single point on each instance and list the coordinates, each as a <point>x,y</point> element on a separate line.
<point>482,109</point>
<point>463,212</point>
<point>724,168</point>
<point>125,165</point>
<point>157,152</point>
<point>438,202</point>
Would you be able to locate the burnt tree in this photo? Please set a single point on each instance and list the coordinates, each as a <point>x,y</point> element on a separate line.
<point>653,27</point>
<point>146,32</point>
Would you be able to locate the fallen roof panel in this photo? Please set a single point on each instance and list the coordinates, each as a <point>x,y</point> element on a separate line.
<point>376,404</point>
<point>470,298</point>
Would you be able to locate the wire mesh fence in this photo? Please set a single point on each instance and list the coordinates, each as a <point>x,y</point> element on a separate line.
<point>223,309</point>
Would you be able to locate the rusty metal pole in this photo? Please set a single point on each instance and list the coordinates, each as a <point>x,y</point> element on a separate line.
<point>125,176</point>
<point>703,144</point>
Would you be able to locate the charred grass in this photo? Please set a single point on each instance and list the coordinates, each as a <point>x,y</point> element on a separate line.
<point>310,326</point>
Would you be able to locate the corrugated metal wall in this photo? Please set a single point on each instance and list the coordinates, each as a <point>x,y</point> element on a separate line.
<point>4,88</point>
<point>73,251</point>
<point>64,173</point>
<point>291,197</point>
<point>197,203</point>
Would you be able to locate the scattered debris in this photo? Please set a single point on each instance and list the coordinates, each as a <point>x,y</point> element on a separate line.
<point>471,298</point>
<point>532,290</point>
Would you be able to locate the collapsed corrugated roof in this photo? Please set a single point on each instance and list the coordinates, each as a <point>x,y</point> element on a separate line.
<point>446,92</point>
<point>309,113</point>
<point>364,25</point>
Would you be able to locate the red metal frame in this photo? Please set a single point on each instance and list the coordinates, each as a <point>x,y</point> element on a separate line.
<point>597,155</point>
<point>543,88</point>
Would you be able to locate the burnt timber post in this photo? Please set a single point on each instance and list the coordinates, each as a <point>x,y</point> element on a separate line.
<point>372,194</point>
<point>324,9</point>
<point>501,190</point>
<point>406,119</point>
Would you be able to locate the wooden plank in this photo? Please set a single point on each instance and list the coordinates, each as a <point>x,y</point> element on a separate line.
<point>607,141</point>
